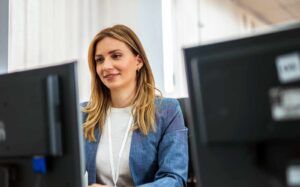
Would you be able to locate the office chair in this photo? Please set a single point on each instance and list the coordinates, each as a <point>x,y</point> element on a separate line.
<point>185,107</point>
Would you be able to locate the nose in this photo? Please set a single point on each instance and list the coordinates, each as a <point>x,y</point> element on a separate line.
<point>107,64</point>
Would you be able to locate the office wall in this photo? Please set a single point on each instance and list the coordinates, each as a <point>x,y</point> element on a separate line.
<point>149,28</point>
<point>222,19</point>
<point>180,28</point>
<point>47,32</point>
<point>198,22</point>
<point>44,33</point>
<point>3,35</point>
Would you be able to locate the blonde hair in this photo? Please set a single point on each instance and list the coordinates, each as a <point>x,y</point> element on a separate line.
<point>100,101</point>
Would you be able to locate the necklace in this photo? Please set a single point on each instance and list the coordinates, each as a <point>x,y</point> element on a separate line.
<point>115,174</point>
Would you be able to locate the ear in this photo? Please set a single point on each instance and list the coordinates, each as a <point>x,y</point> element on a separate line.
<point>140,62</point>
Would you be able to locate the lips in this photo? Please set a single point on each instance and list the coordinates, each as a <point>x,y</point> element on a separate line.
<point>111,76</point>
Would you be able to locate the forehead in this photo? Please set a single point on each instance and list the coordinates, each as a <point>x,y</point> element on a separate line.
<point>108,44</point>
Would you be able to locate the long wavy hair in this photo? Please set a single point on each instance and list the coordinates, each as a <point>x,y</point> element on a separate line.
<point>143,109</point>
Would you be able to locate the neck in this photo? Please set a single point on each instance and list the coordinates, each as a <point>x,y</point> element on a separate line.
<point>122,97</point>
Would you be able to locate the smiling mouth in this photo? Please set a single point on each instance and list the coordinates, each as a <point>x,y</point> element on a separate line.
<point>110,76</point>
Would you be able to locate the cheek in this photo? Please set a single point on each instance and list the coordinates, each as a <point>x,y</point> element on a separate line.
<point>129,72</point>
<point>98,70</point>
<point>130,68</point>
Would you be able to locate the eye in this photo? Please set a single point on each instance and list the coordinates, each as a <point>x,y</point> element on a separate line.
<point>116,56</point>
<point>99,60</point>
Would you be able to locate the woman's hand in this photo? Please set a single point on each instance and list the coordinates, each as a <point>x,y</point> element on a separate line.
<point>98,185</point>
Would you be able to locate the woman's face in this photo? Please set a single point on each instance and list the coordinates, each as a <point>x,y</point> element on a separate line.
<point>116,65</point>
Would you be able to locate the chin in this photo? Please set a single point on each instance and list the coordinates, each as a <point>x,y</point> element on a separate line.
<point>112,86</point>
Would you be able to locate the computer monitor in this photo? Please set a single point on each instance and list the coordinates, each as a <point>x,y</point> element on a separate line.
<point>245,103</point>
<point>41,143</point>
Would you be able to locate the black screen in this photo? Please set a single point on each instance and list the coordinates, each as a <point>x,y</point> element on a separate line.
<point>245,111</point>
<point>40,121</point>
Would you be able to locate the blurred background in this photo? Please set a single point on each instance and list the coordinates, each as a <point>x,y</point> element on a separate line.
<point>38,33</point>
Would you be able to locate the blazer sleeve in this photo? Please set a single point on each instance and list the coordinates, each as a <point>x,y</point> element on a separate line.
<point>172,150</point>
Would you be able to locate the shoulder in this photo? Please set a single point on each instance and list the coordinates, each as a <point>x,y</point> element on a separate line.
<point>166,105</point>
<point>168,114</point>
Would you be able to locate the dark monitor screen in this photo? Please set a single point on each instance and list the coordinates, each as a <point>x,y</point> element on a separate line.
<point>245,103</point>
<point>41,143</point>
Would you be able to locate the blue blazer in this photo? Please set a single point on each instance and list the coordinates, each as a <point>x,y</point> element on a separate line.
<point>158,159</point>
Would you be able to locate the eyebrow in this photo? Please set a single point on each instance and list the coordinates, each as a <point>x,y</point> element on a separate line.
<point>110,52</point>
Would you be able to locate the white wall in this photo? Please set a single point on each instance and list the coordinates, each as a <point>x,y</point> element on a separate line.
<point>180,28</point>
<point>221,19</point>
<point>149,29</point>
<point>194,23</point>
<point>47,32</point>
<point>43,33</point>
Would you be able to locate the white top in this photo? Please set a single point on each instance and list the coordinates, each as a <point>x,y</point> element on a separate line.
<point>119,118</point>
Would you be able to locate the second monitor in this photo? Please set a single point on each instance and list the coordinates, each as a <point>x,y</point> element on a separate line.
<point>245,101</point>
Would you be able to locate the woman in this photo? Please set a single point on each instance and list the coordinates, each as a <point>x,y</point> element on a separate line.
<point>132,137</point>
